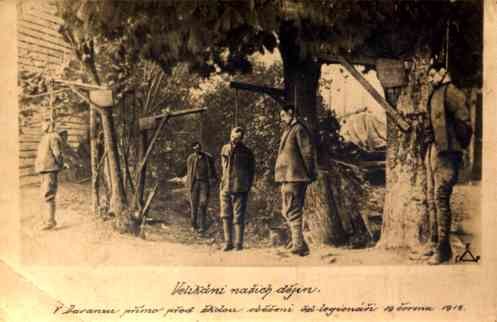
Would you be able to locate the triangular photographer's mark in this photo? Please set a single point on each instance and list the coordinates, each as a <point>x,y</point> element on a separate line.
<point>467,256</point>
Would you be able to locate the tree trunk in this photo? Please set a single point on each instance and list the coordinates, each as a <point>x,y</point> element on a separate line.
<point>102,173</point>
<point>405,214</point>
<point>94,158</point>
<point>117,200</point>
<point>94,155</point>
<point>325,202</point>
<point>321,218</point>
<point>301,83</point>
<point>142,149</point>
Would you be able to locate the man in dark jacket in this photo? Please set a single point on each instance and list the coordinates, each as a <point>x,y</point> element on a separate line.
<point>295,170</point>
<point>200,171</point>
<point>450,133</point>
<point>238,170</point>
<point>48,163</point>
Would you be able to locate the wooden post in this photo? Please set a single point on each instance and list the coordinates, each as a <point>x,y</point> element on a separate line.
<point>149,122</point>
<point>143,161</point>
<point>94,161</point>
<point>277,94</point>
<point>146,123</point>
<point>391,112</point>
<point>79,84</point>
<point>363,61</point>
<point>94,157</point>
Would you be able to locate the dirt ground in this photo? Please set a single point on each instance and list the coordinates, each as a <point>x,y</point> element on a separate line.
<point>82,238</point>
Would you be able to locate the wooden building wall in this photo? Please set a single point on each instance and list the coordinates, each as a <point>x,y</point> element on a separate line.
<point>40,47</point>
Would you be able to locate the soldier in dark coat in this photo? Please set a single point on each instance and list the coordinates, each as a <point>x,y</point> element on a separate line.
<point>48,163</point>
<point>200,171</point>
<point>238,170</point>
<point>295,170</point>
<point>450,133</point>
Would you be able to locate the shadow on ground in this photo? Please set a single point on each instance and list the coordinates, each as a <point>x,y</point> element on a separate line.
<point>171,241</point>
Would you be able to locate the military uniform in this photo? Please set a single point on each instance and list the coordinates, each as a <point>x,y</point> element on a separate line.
<point>295,169</point>
<point>200,170</point>
<point>48,163</point>
<point>450,132</point>
<point>238,170</point>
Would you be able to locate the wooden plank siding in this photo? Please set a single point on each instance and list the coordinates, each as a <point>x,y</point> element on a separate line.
<point>29,180</point>
<point>41,47</point>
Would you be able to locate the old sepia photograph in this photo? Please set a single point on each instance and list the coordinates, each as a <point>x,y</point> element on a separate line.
<point>205,160</point>
<point>250,133</point>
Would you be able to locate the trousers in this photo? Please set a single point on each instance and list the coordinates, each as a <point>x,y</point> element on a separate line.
<point>199,199</point>
<point>442,171</point>
<point>233,206</point>
<point>48,190</point>
<point>49,185</point>
<point>292,199</point>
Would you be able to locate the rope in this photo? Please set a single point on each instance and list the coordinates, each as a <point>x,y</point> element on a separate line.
<point>295,100</point>
<point>447,33</point>
<point>200,127</point>
<point>236,108</point>
<point>51,105</point>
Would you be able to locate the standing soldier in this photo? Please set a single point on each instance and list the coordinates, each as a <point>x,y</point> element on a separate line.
<point>295,170</point>
<point>238,169</point>
<point>450,133</point>
<point>200,171</point>
<point>48,163</point>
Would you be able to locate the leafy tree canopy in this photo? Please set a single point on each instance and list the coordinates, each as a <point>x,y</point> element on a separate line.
<point>221,34</point>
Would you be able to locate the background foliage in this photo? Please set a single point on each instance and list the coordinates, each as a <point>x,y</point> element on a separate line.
<point>211,35</point>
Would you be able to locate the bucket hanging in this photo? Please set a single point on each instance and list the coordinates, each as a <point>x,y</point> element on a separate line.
<point>102,98</point>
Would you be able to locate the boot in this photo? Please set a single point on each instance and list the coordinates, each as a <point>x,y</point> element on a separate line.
<point>424,255</point>
<point>239,230</point>
<point>228,239</point>
<point>201,228</point>
<point>289,244</point>
<point>299,246</point>
<point>442,251</point>
<point>423,252</point>
<point>442,254</point>
<point>194,220</point>
<point>51,223</point>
